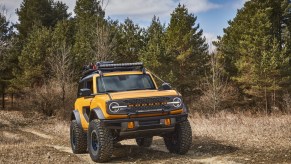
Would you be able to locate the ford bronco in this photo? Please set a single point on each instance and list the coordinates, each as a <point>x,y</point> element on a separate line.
<point>122,101</point>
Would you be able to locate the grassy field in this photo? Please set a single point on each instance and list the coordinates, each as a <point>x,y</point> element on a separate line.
<point>250,131</point>
<point>29,137</point>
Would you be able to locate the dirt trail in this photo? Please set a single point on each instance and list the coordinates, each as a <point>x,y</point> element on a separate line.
<point>39,134</point>
<point>83,157</point>
<point>30,138</point>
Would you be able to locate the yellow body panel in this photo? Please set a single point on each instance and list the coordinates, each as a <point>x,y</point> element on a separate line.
<point>99,100</point>
<point>79,105</point>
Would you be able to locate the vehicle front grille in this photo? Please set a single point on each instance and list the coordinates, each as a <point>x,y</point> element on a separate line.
<point>144,105</point>
<point>147,104</point>
<point>147,100</point>
<point>148,108</point>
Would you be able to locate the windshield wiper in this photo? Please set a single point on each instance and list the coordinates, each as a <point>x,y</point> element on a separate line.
<point>112,91</point>
<point>135,89</point>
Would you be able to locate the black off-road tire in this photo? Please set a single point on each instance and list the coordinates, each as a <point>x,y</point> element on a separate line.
<point>78,138</point>
<point>179,141</point>
<point>144,141</point>
<point>100,142</point>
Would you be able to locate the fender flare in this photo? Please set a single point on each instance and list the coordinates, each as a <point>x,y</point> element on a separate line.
<point>96,113</point>
<point>76,116</point>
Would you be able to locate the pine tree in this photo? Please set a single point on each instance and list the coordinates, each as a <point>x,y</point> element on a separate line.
<point>33,59</point>
<point>59,53</point>
<point>154,51</point>
<point>6,66</point>
<point>60,58</point>
<point>5,29</point>
<point>130,42</point>
<point>260,59</point>
<point>59,12</point>
<point>286,44</point>
<point>39,13</point>
<point>254,49</point>
<point>89,16</point>
<point>187,52</point>
<point>230,42</point>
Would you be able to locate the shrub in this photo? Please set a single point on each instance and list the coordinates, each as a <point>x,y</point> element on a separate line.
<point>49,100</point>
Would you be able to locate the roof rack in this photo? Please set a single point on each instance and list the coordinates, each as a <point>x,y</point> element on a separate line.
<point>109,66</point>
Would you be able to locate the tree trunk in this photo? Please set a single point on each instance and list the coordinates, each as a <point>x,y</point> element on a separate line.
<point>3,96</point>
<point>12,99</point>
<point>274,93</point>
<point>63,96</point>
<point>213,64</point>
<point>266,100</point>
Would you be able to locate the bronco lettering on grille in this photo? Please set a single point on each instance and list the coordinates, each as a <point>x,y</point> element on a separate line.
<point>148,104</point>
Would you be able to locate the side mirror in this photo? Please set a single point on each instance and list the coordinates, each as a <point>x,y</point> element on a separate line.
<point>165,86</point>
<point>85,92</point>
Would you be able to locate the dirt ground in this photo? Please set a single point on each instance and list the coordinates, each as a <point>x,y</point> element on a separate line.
<point>28,137</point>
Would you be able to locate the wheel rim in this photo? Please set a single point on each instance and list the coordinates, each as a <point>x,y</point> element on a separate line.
<point>73,138</point>
<point>94,141</point>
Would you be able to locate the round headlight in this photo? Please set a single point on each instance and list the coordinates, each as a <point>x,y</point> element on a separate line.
<point>114,107</point>
<point>177,102</point>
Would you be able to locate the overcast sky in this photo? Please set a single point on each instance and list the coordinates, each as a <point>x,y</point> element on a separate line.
<point>212,15</point>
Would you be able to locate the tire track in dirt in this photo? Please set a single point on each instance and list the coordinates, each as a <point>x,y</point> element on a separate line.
<point>15,134</point>
<point>126,151</point>
<point>83,157</point>
<point>158,147</point>
<point>39,134</point>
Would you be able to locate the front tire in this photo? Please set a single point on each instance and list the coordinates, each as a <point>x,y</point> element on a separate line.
<point>100,142</point>
<point>179,141</point>
<point>78,138</point>
<point>144,141</point>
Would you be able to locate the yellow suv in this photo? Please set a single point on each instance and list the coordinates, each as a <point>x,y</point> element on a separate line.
<point>122,101</point>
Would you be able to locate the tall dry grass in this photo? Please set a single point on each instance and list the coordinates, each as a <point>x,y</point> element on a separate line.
<point>245,130</point>
<point>48,99</point>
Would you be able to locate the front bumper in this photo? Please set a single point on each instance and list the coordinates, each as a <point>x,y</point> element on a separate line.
<point>145,126</point>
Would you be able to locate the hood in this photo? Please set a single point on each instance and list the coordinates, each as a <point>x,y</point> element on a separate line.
<point>142,94</point>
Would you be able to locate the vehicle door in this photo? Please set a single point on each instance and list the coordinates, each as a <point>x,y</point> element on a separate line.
<point>83,102</point>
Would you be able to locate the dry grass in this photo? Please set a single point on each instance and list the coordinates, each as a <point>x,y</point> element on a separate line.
<point>58,128</point>
<point>29,137</point>
<point>263,132</point>
<point>48,99</point>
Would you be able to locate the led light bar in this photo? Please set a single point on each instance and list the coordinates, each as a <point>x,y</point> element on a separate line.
<point>109,65</point>
<point>105,62</point>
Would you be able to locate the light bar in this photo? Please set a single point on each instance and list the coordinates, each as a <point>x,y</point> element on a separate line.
<point>109,66</point>
<point>105,65</point>
<point>104,62</point>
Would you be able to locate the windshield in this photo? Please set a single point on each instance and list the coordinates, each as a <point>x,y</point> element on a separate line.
<point>124,83</point>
